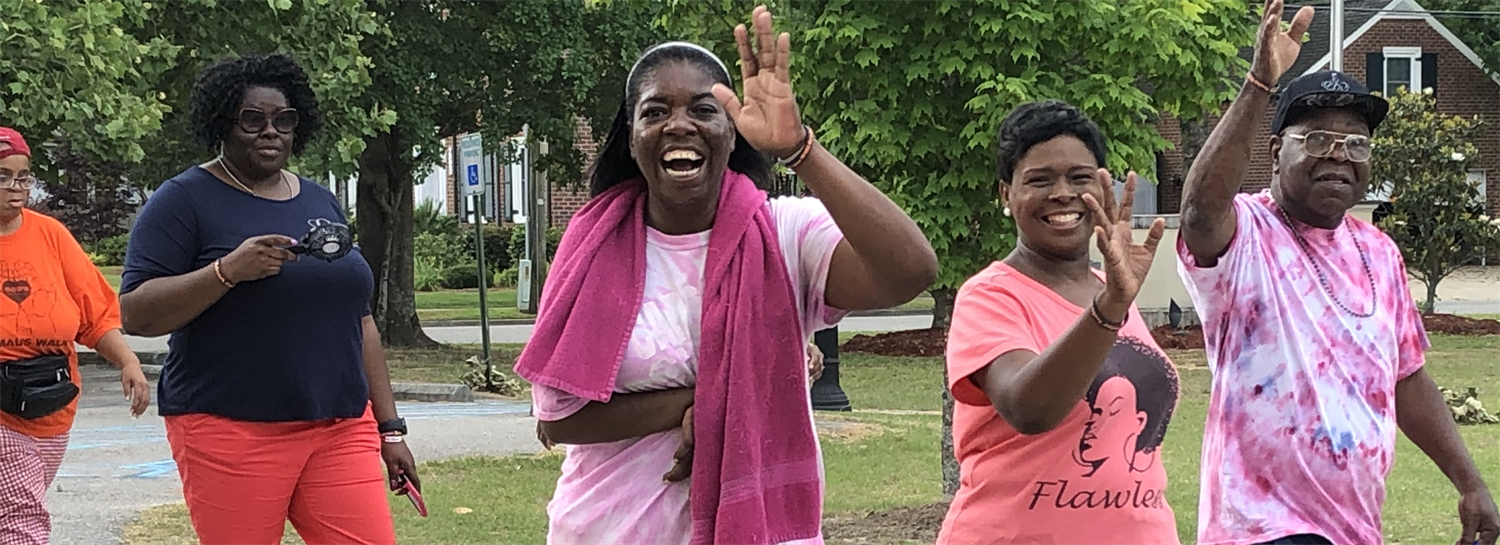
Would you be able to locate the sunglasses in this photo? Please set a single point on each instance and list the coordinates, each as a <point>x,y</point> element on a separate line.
<point>8,181</point>
<point>253,121</point>
<point>1357,147</point>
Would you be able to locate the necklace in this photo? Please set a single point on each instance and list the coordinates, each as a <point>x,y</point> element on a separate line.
<point>1323,278</point>
<point>236,179</point>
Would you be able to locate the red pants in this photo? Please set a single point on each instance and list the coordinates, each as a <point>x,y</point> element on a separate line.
<point>244,480</point>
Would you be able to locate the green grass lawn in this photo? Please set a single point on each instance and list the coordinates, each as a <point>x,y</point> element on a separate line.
<point>463,305</point>
<point>877,461</point>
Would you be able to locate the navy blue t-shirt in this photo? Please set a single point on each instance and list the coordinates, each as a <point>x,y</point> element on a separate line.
<point>283,348</point>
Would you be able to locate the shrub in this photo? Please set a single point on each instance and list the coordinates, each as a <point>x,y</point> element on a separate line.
<point>517,247</point>
<point>496,245</point>
<point>109,251</point>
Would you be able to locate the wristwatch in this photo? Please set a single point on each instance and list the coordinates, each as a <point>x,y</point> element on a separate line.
<point>394,425</point>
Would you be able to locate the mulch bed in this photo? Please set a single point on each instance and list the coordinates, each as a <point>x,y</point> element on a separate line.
<point>929,343</point>
<point>922,343</point>
<point>899,525</point>
<point>1459,325</point>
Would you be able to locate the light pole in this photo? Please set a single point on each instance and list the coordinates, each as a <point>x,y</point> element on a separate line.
<point>826,393</point>
<point>1336,33</point>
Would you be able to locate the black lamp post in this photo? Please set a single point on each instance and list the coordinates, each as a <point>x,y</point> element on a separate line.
<point>827,395</point>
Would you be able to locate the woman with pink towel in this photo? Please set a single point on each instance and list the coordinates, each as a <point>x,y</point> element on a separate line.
<point>668,354</point>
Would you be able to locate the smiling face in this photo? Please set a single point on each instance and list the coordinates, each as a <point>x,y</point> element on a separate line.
<point>1319,190</point>
<point>264,152</point>
<point>13,199</point>
<point>681,138</point>
<point>1045,196</point>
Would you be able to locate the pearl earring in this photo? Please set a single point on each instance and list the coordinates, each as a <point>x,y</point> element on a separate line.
<point>1007,211</point>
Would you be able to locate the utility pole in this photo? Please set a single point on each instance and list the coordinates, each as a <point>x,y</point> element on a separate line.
<point>1336,33</point>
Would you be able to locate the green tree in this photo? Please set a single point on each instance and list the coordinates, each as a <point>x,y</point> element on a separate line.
<point>69,70</point>
<point>1482,34</point>
<point>1437,217</point>
<point>911,94</point>
<point>455,67</point>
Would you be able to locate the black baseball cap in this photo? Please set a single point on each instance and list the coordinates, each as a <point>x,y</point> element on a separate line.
<point>1327,89</point>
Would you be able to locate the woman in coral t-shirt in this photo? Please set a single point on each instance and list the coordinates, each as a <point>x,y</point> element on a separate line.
<point>1063,399</point>
<point>53,296</point>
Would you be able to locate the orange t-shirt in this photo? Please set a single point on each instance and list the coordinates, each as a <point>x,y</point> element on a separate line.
<point>1097,477</point>
<point>50,296</point>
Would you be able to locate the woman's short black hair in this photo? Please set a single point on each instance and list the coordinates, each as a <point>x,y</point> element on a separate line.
<point>1036,122</point>
<point>615,164</point>
<point>221,87</point>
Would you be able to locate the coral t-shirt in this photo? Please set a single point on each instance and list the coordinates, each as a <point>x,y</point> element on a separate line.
<point>53,295</point>
<point>1097,477</point>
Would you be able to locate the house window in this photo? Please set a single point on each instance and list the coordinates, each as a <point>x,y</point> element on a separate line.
<point>1477,177</point>
<point>1403,68</point>
<point>515,184</point>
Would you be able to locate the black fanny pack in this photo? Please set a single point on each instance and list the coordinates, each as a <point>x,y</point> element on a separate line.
<point>36,387</point>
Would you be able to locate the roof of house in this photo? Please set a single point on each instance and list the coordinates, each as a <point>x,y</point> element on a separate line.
<point>1356,14</point>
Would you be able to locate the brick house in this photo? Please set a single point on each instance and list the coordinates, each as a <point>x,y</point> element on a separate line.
<point>1387,44</point>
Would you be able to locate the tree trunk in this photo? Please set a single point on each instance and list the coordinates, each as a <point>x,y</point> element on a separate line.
<point>1430,305</point>
<point>942,315</point>
<point>384,210</point>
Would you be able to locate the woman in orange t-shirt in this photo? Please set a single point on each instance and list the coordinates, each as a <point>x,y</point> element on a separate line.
<point>1063,398</point>
<point>53,296</point>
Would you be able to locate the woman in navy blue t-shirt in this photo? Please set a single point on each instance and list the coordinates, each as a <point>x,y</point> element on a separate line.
<point>275,390</point>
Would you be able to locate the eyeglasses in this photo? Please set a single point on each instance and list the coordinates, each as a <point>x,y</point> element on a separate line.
<point>253,121</point>
<point>1357,147</point>
<point>8,181</point>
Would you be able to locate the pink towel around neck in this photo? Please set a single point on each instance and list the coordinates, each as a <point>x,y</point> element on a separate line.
<point>756,483</point>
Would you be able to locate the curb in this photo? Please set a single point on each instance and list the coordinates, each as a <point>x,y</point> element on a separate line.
<point>530,321</point>
<point>404,391</point>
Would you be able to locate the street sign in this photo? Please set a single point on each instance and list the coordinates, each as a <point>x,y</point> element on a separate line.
<point>471,154</point>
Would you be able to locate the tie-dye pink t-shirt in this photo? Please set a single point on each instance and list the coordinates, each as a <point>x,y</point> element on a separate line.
<point>614,492</point>
<point>1301,428</point>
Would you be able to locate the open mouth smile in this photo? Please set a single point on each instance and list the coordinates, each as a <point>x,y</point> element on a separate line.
<point>682,164</point>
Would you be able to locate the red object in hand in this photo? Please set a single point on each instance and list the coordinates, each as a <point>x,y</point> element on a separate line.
<point>410,491</point>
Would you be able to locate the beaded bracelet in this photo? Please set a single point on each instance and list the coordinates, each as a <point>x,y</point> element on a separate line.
<point>1256,82</point>
<point>801,155</point>
<point>1099,317</point>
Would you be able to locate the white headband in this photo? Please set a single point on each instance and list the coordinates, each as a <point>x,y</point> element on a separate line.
<point>667,45</point>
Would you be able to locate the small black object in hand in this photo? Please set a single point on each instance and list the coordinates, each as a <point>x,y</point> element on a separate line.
<point>326,241</point>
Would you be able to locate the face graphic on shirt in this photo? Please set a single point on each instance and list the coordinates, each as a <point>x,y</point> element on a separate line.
<point>1130,403</point>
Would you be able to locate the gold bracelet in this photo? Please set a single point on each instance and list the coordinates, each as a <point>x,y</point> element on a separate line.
<point>220,274</point>
<point>1099,317</point>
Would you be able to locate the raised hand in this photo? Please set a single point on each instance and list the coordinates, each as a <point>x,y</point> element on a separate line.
<point>1125,262</point>
<point>1275,50</point>
<point>768,115</point>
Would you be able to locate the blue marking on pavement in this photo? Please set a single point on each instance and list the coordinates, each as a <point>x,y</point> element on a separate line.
<point>152,470</point>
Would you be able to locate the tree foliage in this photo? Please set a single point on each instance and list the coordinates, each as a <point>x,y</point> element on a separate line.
<point>451,67</point>
<point>1437,214</point>
<point>1482,34</point>
<point>70,69</point>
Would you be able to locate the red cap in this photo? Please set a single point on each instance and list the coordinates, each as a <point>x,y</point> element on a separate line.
<point>11,143</point>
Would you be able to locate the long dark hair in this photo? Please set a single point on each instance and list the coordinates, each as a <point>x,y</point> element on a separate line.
<point>614,163</point>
